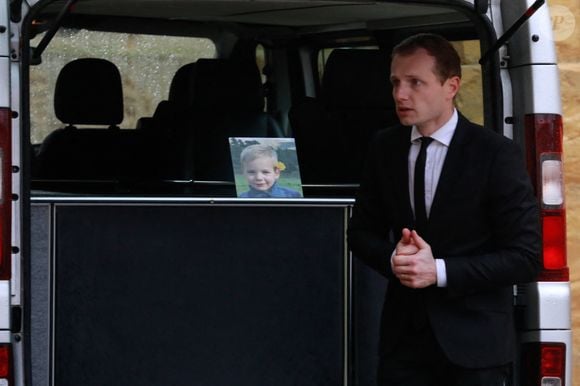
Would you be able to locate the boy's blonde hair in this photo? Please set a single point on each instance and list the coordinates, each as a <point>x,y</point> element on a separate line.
<point>253,152</point>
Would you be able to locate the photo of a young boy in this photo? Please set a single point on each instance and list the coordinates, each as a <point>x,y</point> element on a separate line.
<point>265,167</point>
<point>261,168</point>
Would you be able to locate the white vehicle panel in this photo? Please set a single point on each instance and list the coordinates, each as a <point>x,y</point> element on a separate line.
<point>548,306</point>
<point>4,32</point>
<point>508,128</point>
<point>16,187</point>
<point>4,80</point>
<point>540,88</point>
<point>534,41</point>
<point>494,14</point>
<point>4,305</point>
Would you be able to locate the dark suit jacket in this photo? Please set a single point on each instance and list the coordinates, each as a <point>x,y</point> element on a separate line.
<point>484,222</point>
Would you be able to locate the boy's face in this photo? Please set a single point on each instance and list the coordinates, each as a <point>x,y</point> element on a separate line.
<point>261,173</point>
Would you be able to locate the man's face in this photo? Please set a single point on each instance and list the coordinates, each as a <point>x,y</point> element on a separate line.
<point>420,97</point>
<point>261,173</point>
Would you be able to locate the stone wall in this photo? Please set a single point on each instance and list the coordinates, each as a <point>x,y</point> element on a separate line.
<point>567,35</point>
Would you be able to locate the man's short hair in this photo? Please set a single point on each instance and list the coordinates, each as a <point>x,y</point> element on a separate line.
<point>253,152</point>
<point>447,61</point>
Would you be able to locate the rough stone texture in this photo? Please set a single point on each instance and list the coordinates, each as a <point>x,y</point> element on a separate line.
<point>567,34</point>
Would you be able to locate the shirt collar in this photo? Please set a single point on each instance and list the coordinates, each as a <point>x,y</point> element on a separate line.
<point>442,135</point>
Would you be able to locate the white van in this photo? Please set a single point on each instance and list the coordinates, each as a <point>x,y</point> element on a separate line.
<point>126,257</point>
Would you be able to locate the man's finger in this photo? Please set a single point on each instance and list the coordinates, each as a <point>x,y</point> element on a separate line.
<point>400,260</point>
<point>418,240</point>
<point>406,237</point>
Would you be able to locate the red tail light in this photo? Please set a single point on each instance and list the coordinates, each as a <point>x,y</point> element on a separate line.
<point>543,364</point>
<point>5,365</point>
<point>544,136</point>
<point>4,361</point>
<point>5,192</point>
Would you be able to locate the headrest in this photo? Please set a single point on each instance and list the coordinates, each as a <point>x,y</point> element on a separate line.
<point>89,91</point>
<point>357,78</point>
<point>180,91</point>
<point>226,85</point>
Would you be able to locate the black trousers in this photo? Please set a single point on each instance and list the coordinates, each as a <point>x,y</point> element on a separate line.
<point>419,361</point>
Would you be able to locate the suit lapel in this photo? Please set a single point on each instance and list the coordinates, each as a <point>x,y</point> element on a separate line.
<point>400,181</point>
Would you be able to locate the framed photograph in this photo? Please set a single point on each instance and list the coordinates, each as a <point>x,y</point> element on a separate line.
<point>266,167</point>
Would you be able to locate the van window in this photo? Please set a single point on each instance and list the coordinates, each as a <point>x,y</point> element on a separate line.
<point>147,64</point>
<point>322,58</point>
<point>261,62</point>
<point>470,99</point>
<point>324,54</point>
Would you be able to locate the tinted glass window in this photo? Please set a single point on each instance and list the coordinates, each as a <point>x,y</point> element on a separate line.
<point>469,100</point>
<point>147,64</point>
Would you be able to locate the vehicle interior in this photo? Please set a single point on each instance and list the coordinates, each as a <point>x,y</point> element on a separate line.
<point>139,99</point>
<point>315,71</point>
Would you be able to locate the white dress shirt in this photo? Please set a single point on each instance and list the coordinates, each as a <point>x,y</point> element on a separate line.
<point>436,153</point>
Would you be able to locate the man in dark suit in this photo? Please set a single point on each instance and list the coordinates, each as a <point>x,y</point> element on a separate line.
<point>446,212</point>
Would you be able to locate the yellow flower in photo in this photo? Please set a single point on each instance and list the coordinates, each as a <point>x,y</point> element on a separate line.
<point>280,165</point>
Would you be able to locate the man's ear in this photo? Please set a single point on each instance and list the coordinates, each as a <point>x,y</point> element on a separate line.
<point>453,85</point>
<point>277,171</point>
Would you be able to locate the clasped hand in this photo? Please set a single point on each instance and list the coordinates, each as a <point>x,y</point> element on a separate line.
<point>413,262</point>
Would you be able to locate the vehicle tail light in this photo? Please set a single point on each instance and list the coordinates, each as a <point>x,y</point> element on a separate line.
<point>544,137</point>
<point>5,365</point>
<point>543,364</point>
<point>5,193</point>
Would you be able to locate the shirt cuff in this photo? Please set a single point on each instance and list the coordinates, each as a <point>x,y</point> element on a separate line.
<point>441,273</point>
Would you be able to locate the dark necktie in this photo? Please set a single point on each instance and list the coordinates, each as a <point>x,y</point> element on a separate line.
<point>419,193</point>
